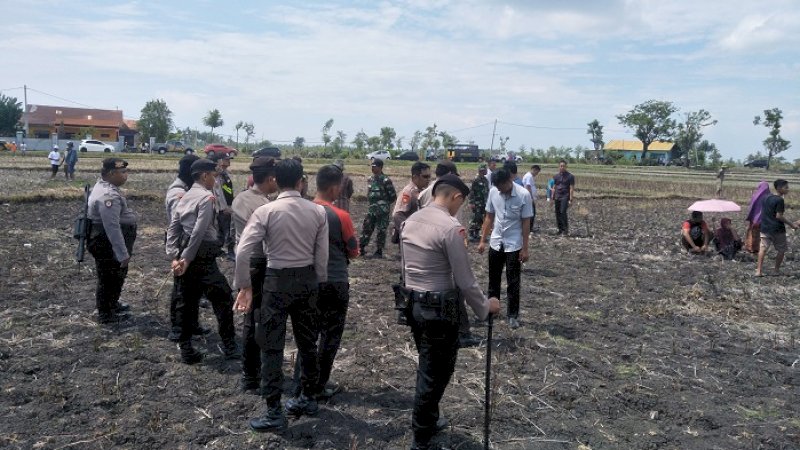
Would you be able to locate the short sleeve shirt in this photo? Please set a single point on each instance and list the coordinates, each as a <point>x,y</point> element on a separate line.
<point>562,183</point>
<point>773,205</point>
<point>508,214</point>
<point>529,181</point>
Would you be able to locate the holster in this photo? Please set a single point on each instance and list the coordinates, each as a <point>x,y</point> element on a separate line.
<point>402,303</point>
<point>436,305</point>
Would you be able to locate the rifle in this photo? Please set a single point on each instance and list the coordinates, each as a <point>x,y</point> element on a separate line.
<point>487,414</point>
<point>82,227</point>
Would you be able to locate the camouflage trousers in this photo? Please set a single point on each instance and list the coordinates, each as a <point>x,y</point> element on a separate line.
<point>475,224</point>
<point>377,218</point>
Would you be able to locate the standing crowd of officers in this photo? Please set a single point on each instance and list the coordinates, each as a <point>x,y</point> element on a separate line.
<point>291,260</point>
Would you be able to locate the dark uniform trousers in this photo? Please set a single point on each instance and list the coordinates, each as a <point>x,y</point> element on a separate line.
<point>562,220</point>
<point>251,356</point>
<point>437,345</point>
<point>224,235</point>
<point>290,292</point>
<point>110,275</point>
<point>203,277</point>
<point>334,299</point>
<point>510,261</point>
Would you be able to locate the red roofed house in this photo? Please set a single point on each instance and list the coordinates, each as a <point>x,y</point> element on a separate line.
<point>44,121</point>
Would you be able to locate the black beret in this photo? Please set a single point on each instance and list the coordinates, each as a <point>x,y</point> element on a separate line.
<point>452,180</point>
<point>273,152</point>
<point>262,163</point>
<point>114,163</point>
<point>203,165</point>
<point>219,156</point>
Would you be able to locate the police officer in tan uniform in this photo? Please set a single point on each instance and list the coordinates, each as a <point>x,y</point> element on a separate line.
<point>263,173</point>
<point>442,168</point>
<point>111,238</point>
<point>294,234</point>
<point>193,246</point>
<point>408,203</point>
<point>438,278</point>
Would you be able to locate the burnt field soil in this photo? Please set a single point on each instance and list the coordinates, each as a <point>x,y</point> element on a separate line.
<point>626,343</point>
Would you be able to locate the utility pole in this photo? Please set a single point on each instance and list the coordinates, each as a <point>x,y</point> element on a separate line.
<point>25,111</point>
<point>491,147</point>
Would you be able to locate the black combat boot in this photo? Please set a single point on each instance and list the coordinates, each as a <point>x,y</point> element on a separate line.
<point>199,330</point>
<point>466,340</point>
<point>231,349</point>
<point>249,384</point>
<point>273,420</point>
<point>107,318</point>
<point>121,307</point>
<point>188,354</point>
<point>302,405</point>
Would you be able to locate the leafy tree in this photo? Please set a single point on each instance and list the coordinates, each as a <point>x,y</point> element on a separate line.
<point>448,140</point>
<point>387,138</point>
<point>503,142</point>
<point>155,120</point>
<point>690,131</point>
<point>650,121</point>
<point>374,143</point>
<point>326,132</point>
<point>712,152</point>
<point>10,114</point>
<point>239,125</point>
<point>85,132</point>
<point>416,139</point>
<point>596,131</point>
<point>774,144</point>
<point>213,120</point>
<point>430,138</point>
<point>360,141</point>
<point>299,143</point>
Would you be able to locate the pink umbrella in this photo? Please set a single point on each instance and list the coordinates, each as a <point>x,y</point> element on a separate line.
<point>714,205</point>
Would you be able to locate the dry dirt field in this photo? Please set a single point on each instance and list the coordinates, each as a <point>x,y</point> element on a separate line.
<point>626,342</point>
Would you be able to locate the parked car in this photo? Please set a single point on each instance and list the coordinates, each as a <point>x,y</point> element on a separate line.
<point>432,155</point>
<point>511,156</point>
<point>215,149</point>
<point>95,146</point>
<point>379,154</point>
<point>761,163</point>
<point>172,146</point>
<point>408,156</point>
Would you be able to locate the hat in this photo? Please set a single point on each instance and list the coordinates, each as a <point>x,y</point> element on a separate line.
<point>55,146</point>
<point>220,157</point>
<point>339,163</point>
<point>203,165</point>
<point>482,167</point>
<point>452,180</point>
<point>262,163</point>
<point>110,164</point>
<point>446,166</point>
<point>273,152</point>
<point>376,162</point>
<point>69,144</point>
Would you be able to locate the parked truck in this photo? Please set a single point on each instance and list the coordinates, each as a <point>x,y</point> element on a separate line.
<point>463,152</point>
<point>172,146</point>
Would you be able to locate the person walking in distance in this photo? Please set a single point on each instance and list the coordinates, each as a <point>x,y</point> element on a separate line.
<point>264,185</point>
<point>294,234</point>
<point>346,191</point>
<point>408,202</point>
<point>507,224</point>
<point>175,192</point>
<point>334,294</point>
<point>380,194</point>
<point>55,160</point>
<point>70,160</point>
<point>437,280</point>
<point>111,238</point>
<point>773,226</point>
<point>442,168</point>
<point>479,192</point>
<point>529,183</point>
<point>563,193</point>
<point>193,247</point>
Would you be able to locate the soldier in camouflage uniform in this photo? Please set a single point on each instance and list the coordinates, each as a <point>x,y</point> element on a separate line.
<point>477,203</point>
<point>381,195</point>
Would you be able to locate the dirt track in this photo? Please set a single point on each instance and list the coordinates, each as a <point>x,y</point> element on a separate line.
<point>626,344</point>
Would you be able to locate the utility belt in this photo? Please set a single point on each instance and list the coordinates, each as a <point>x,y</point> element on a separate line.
<point>99,245</point>
<point>417,306</point>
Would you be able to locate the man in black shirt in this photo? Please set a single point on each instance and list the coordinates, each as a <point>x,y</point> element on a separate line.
<point>563,192</point>
<point>773,226</point>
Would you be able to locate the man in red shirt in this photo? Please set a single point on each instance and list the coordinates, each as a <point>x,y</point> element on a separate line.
<point>695,234</point>
<point>334,294</point>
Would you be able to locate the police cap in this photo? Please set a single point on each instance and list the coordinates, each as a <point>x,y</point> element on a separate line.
<point>203,165</point>
<point>262,164</point>
<point>445,167</point>
<point>110,164</point>
<point>219,157</point>
<point>273,152</point>
<point>451,180</point>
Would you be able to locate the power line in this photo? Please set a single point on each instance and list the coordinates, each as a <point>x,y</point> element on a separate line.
<point>11,89</point>
<point>60,98</point>
<point>475,126</point>
<point>540,127</point>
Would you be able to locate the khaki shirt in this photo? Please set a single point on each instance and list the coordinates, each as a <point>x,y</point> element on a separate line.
<point>222,204</point>
<point>109,209</point>
<point>175,192</point>
<point>426,196</point>
<point>407,203</point>
<point>435,257</point>
<point>293,232</point>
<point>243,206</point>
<point>195,216</point>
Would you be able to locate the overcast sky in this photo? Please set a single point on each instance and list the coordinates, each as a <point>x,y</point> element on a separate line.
<point>289,66</point>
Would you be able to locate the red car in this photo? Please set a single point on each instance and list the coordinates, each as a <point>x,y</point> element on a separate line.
<point>213,149</point>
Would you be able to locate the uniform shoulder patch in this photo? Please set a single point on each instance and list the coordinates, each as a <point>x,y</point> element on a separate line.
<point>109,203</point>
<point>213,198</point>
<point>462,232</point>
<point>406,198</point>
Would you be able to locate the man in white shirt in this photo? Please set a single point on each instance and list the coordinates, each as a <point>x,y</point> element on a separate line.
<point>529,183</point>
<point>508,213</point>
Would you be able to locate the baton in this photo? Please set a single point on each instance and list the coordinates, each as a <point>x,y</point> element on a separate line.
<point>486,401</point>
